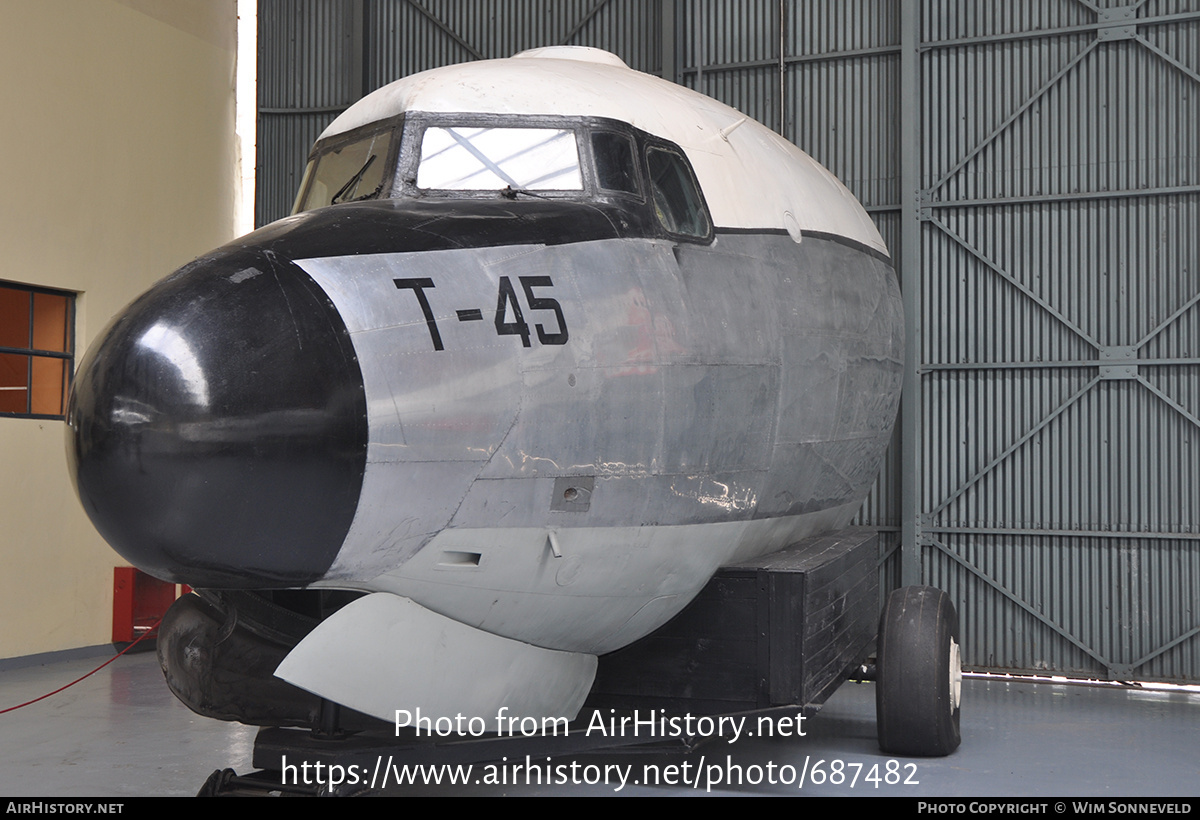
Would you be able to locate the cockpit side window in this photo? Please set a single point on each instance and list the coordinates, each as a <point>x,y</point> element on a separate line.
<point>615,166</point>
<point>677,200</point>
<point>348,171</point>
<point>486,159</point>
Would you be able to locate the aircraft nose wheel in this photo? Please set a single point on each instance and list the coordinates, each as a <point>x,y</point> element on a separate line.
<point>918,687</point>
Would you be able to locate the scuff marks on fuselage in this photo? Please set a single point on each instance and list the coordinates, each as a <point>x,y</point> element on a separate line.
<point>685,391</point>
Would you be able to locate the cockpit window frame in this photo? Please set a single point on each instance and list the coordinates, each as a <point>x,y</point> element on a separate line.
<point>501,159</point>
<point>635,168</point>
<point>408,133</point>
<point>394,125</point>
<point>405,183</point>
<point>655,144</point>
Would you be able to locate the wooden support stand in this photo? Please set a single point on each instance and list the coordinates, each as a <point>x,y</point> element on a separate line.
<point>782,629</point>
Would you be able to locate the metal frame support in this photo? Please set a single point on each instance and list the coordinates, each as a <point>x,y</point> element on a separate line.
<point>911,410</point>
<point>358,50</point>
<point>670,62</point>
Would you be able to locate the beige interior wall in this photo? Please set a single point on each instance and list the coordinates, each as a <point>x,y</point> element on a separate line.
<point>117,165</point>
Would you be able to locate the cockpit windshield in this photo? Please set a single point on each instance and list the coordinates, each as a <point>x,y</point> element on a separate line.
<point>439,156</point>
<point>349,172</point>
<point>478,159</point>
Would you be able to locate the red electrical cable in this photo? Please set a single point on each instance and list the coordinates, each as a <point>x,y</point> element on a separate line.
<point>145,634</point>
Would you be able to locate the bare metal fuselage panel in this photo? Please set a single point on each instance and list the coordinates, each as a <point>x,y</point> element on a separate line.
<point>547,342</point>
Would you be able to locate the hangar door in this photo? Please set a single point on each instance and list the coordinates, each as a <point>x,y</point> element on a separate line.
<point>1035,167</point>
<point>1054,223</point>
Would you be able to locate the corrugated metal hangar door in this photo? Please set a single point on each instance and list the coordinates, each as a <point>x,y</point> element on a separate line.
<point>1035,167</point>
<point>1056,217</point>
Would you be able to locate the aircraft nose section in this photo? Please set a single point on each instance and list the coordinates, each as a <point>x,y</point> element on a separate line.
<point>218,428</point>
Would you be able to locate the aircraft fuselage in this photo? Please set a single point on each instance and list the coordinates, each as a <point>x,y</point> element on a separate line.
<point>547,411</point>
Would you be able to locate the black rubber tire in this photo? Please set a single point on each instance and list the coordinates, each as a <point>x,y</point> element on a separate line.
<point>916,691</point>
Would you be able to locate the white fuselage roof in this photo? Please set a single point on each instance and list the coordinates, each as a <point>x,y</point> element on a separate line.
<point>751,176</point>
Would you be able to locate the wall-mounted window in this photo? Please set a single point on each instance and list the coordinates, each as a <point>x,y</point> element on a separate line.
<point>37,350</point>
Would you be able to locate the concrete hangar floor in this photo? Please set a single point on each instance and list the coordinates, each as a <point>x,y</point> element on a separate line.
<point>121,733</point>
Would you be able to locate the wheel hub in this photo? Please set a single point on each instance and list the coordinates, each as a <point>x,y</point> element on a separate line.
<point>955,675</point>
